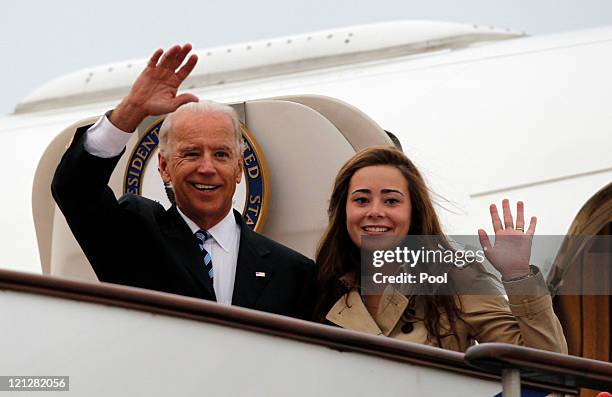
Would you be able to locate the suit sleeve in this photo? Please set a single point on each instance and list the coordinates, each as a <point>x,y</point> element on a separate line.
<point>526,318</point>
<point>80,189</point>
<point>307,299</point>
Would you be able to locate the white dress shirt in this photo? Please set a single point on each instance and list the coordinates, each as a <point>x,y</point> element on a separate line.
<point>223,248</point>
<point>105,140</point>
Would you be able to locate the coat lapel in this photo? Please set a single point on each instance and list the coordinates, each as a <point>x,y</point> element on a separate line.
<point>185,248</point>
<point>253,273</point>
<point>351,313</point>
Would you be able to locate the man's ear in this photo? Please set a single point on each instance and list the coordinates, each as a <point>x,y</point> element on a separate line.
<point>163,168</point>
<point>239,169</point>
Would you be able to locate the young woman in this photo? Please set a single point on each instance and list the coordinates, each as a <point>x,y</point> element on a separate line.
<point>379,192</point>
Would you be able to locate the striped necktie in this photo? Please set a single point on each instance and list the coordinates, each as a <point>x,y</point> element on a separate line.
<point>202,236</point>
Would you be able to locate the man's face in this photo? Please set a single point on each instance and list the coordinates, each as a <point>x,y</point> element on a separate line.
<point>203,166</point>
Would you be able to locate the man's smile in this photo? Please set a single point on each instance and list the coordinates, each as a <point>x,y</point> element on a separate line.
<point>205,187</point>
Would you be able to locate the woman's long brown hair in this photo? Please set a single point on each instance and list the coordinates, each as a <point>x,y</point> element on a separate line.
<point>337,255</point>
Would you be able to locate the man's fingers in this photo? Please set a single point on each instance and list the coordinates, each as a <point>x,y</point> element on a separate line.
<point>180,57</point>
<point>183,99</point>
<point>497,225</point>
<point>508,222</point>
<point>155,57</point>
<point>169,57</point>
<point>532,226</point>
<point>187,67</point>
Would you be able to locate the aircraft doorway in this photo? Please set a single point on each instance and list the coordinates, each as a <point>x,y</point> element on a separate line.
<point>586,319</point>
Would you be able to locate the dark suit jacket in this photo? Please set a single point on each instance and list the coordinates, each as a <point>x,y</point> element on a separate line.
<point>135,241</point>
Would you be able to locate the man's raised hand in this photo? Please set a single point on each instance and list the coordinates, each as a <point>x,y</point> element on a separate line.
<point>154,91</point>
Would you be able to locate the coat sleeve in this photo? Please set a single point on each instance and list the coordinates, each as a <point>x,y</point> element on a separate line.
<point>307,297</point>
<point>80,189</point>
<point>526,318</point>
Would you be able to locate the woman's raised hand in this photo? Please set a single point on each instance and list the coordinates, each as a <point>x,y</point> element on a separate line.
<point>512,249</point>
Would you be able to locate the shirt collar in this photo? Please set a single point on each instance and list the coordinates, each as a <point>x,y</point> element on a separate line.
<point>222,232</point>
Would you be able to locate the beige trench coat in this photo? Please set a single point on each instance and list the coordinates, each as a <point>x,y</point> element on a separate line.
<point>526,318</point>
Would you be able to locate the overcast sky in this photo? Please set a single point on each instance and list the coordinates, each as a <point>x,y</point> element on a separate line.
<point>41,40</point>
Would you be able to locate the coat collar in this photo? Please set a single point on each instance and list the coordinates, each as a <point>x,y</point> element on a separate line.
<point>351,313</point>
<point>223,232</point>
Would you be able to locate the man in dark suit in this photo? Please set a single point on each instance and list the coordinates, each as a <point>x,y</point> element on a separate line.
<point>200,247</point>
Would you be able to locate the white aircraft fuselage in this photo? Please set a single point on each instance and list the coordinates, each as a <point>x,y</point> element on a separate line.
<point>486,114</point>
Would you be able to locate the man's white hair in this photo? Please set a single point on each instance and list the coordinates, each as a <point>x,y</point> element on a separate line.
<point>204,106</point>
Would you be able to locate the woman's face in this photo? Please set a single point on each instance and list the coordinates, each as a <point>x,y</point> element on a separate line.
<point>378,203</point>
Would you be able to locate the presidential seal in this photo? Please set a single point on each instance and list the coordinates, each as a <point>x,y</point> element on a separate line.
<point>251,196</point>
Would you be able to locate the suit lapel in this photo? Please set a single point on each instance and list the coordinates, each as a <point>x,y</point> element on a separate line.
<point>252,271</point>
<point>184,246</point>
